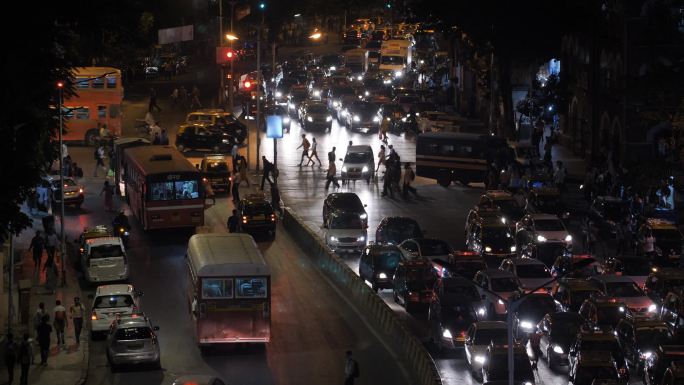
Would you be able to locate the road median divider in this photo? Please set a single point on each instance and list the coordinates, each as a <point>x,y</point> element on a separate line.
<point>406,347</point>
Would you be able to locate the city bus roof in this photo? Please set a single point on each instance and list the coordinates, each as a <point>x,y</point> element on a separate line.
<point>92,72</point>
<point>454,136</point>
<point>223,255</point>
<point>159,160</point>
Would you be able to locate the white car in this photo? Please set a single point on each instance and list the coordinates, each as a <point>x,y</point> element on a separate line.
<point>502,283</point>
<point>345,232</point>
<point>104,260</point>
<point>425,248</point>
<point>359,164</point>
<point>478,337</point>
<point>531,272</point>
<point>542,236</point>
<point>110,301</point>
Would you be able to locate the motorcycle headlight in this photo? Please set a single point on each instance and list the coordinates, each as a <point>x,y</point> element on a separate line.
<point>126,233</point>
<point>480,359</point>
<point>328,118</point>
<point>364,169</point>
<point>541,238</point>
<point>359,78</point>
<point>366,93</point>
<point>336,103</point>
<point>382,276</point>
<point>344,168</point>
<point>309,119</point>
<point>568,238</point>
<point>527,325</point>
<point>513,249</point>
<point>447,334</point>
<point>652,308</point>
<point>646,355</point>
<point>333,68</point>
<point>278,94</point>
<point>557,349</point>
<point>488,249</point>
<point>357,118</point>
<point>376,119</point>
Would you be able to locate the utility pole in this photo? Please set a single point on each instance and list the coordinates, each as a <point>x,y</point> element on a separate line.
<point>220,43</point>
<point>275,140</point>
<point>10,302</point>
<point>231,97</point>
<point>60,87</point>
<point>259,85</point>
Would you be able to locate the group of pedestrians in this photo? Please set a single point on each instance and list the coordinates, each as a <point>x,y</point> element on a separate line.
<point>45,242</point>
<point>306,146</point>
<point>181,98</point>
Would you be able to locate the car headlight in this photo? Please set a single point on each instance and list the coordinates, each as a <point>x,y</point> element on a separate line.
<point>333,239</point>
<point>621,309</point>
<point>328,118</point>
<point>500,302</point>
<point>286,119</point>
<point>336,103</point>
<point>126,233</point>
<point>386,81</point>
<point>344,168</point>
<point>359,78</point>
<point>527,383</point>
<point>357,118</point>
<point>646,355</point>
<point>364,169</point>
<point>480,359</point>
<point>363,216</point>
<point>481,311</point>
<point>447,334</point>
<point>527,325</point>
<point>366,93</point>
<point>652,308</point>
<point>398,74</point>
<point>513,249</point>
<point>403,119</point>
<point>382,276</point>
<point>224,140</point>
<point>541,238</point>
<point>333,68</point>
<point>279,94</point>
<point>568,238</point>
<point>417,114</point>
<point>360,239</point>
<point>309,119</point>
<point>317,93</point>
<point>488,249</point>
<point>376,119</point>
<point>557,349</point>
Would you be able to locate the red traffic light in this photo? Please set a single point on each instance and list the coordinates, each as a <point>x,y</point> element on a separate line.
<point>248,84</point>
<point>230,54</point>
<point>60,84</point>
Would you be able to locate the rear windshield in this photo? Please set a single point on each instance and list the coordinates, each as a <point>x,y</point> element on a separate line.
<point>487,336</point>
<point>105,251</point>
<point>217,167</point>
<point>109,301</point>
<point>137,333</point>
<point>548,225</point>
<point>429,248</point>
<point>316,109</point>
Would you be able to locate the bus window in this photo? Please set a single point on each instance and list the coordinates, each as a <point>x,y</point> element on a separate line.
<point>250,287</point>
<point>82,113</point>
<point>98,83</point>
<point>187,189</point>
<point>217,288</point>
<point>162,191</point>
<point>101,112</point>
<point>82,83</point>
<point>111,82</point>
<point>114,110</point>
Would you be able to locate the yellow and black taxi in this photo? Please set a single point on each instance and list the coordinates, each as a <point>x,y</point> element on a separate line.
<point>504,201</point>
<point>257,215</point>
<point>215,171</point>
<point>594,367</point>
<point>640,336</point>
<point>99,231</point>
<point>492,237</point>
<point>603,313</point>
<point>668,240</point>
<point>570,293</point>
<point>590,341</point>
<point>413,283</point>
<point>221,119</point>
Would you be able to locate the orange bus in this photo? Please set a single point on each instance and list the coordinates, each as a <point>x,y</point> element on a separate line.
<point>98,100</point>
<point>164,190</point>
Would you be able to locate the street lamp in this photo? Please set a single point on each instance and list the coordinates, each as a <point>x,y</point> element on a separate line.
<point>231,37</point>
<point>262,6</point>
<point>315,36</point>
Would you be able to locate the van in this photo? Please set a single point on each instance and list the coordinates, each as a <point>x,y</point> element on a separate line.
<point>104,260</point>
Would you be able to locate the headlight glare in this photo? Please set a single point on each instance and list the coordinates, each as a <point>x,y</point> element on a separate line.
<point>541,238</point>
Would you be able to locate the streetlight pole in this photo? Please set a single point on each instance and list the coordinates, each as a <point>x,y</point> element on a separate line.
<point>259,85</point>
<point>60,87</point>
<point>231,98</point>
<point>220,43</point>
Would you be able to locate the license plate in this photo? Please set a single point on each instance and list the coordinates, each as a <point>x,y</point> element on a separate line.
<point>259,217</point>
<point>135,346</point>
<point>460,339</point>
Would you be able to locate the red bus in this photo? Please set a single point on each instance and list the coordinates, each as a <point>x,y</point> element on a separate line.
<point>99,95</point>
<point>164,189</point>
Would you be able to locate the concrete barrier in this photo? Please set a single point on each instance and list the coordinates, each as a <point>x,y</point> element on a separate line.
<point>412,354</point>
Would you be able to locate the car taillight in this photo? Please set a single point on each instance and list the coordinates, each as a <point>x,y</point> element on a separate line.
<point>93,316</point>
<point>273,218</point>
<point>244,219</point>
<point>80,191</point>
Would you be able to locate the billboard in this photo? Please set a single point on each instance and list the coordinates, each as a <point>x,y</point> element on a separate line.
<point>176,34</point>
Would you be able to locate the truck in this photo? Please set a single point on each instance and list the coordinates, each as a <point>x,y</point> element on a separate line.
<point>395,56</point>
<point>357,60</point>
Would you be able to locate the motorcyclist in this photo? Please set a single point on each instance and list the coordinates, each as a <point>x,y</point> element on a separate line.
<point>411,121</point>
<point>121,221</point>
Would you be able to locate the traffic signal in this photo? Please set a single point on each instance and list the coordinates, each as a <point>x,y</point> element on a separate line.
<point>230,54</point>
<point>247,84</point>
<point>388,5</point>
<point>60,84</point>
<point>262,6</point>
<point>225,55</point>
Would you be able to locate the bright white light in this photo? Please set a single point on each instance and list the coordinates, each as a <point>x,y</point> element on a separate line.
<point>422,61</point>
<point>333,239</point>
<point>357,118</point>
<point>359,78</point>
<point>364,215</point>
<point>447,334</point>
<point>376,119</point>
<point>622,309</point>
<point>286,119</point>
<point>652,308</point>
<point>364,169</point>
<point>646,355</point>
<point>328,118</point>
<point>568,238</point>
<point>344,168</point>
<point>503,220</point>
<point>541,238</point>
<point>513,249</point>
<point>336,103</point>
<point>309,119</point>
<point>366,93</point>
<point>333,68</point>
<point>481,311</point>
<point>386,81</point>
<point>488,249</point>
<point>360,239</point>
<point>317,93</point>
<point>382,276</point>
<point>360,96</point>
<point>557,349</point>
<point>527,325</point>
<point>480,359</point>
<point>398,74</point>
<point>500,302</point>
<point>278,94</point>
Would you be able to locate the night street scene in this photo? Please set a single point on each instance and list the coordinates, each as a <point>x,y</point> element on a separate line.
<point>318,192</point>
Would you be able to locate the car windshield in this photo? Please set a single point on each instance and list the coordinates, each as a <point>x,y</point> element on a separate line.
<point>667,235</point>
<point>504,284</point>
<point>608,345</point>
<point>586,375</point>
<point>347,202</point>
<point>392,60</point>
<point>460,291</point>
<point>652,337</point>
<point>136,333</point>
<point>508,205</point>
<point>106,251</point>
<point>623,289</point>
<point>316,109</point>
<point>532,271</point>
<point>398,231</point>
<point>548,225</point>
<point>115,300</point>
<point>346,221</point>
<point>487,336</point>
<point>499,235</point>
<point>388,259</point>
<point>357,157</point>
<point>257,208</point>
<point>430,248</point>
<point>609,315</point>
<point>636,267</point>
<point>537,306</point>
<point>467,269</point>
<point>217,167</point>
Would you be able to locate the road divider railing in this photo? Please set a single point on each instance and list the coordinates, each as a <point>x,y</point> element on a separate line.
<point>406,347</point>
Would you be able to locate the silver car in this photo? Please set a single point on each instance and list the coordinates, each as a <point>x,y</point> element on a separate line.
<point>132,340</point>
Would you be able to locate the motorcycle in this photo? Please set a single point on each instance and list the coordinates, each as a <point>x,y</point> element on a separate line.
<point>121,228</point>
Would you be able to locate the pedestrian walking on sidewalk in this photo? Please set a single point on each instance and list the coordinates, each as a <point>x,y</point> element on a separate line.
<point>331,155</point>
<point>38,317</point>
<point>108,192</point>
<point>351,369</point>
<point>174,98</point>
<point>51,243</point>
<point>305,149</point>
<point>268,170</point>
<point>242,166</point>
<point>233,223</point>
<point>59,313</point>
<point>44,331</point>
<point>37,246</point>
<point>408,178</point>
<point>381,158</point>
<point>10,356</point>
<point>25,358</point>
<point>153,101</point>
<point>236,188</point>
<point>99,159</point>
<point>234,155</point>
<point>76,312</point>
<point>314,153</point>
<point>50,269</point>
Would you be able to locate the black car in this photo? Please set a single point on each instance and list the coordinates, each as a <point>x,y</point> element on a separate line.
<point>496,365</point>
<point>659,361</point>
<point>215,171</point>
<point>454,307</point>
<point>570,293</point>
<point>338,96</point>
<point>198,136</point>
<point>298,95</point>
<point>394,230</point>
<point>378,264</point>
<point>504,201</point>
<point>557,331</point>
<point>257,215</point>
<point>592,341</point>
<point>413,283</point>
<point>594,368</point>
<point>546,200</point>
<point>602,313</point>
<point>639,337</point>
<point>221,120</point>
<point>283,89</point>
<point>315,116</point>
<point>344,202</point>
<point>530,312</point>
<point>492,237</point>
<point>282,111</point>
<point>605,212</point>
<point>362,115</point>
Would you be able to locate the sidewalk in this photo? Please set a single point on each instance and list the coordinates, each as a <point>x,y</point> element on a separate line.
<point>68,366</point>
